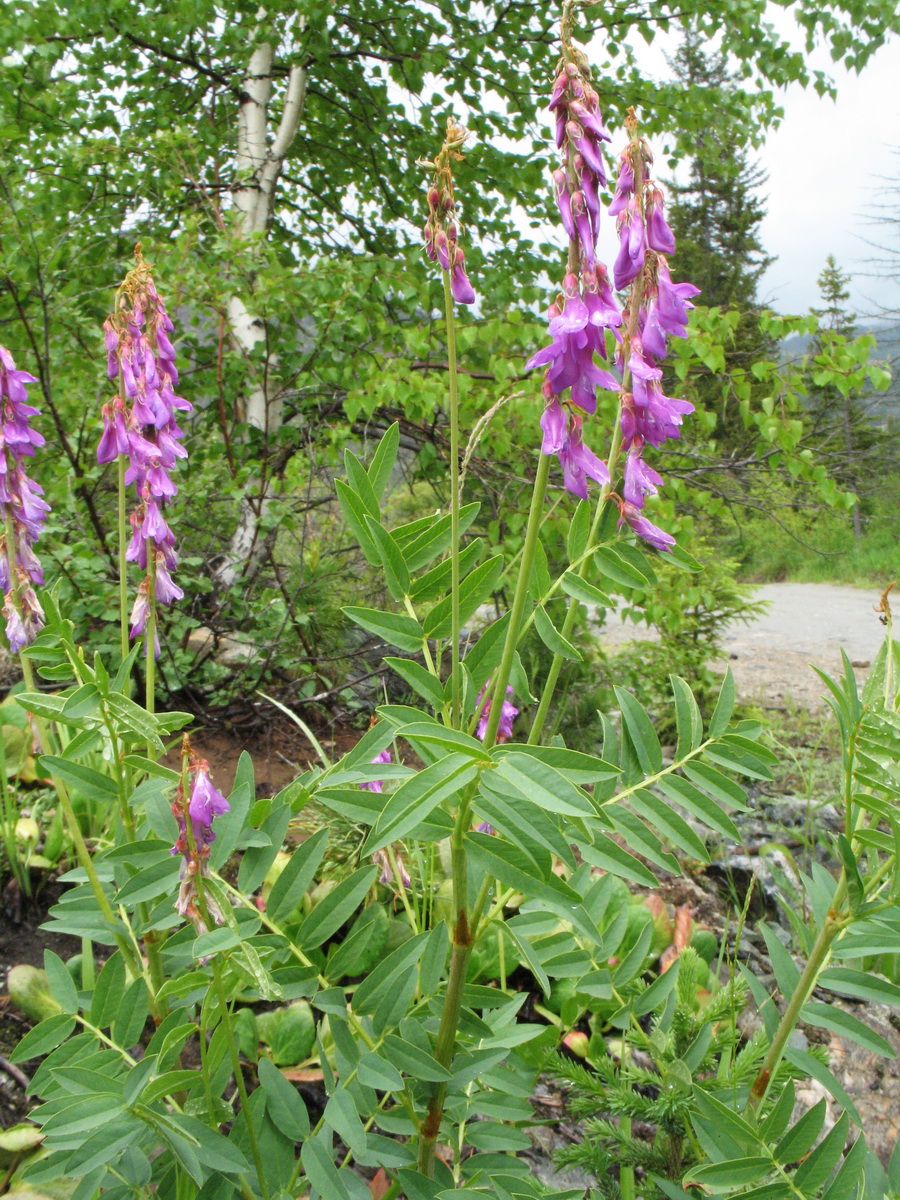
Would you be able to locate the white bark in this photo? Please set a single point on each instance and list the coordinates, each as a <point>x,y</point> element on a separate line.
<point>258,166</point>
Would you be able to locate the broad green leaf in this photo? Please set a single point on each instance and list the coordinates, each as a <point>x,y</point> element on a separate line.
<point>330,914</point>
<point>603,852</point>
<point>580,589</point>
<point>420,679</point>
<point>541,784</point>
<point>579,531</point>
<point>724,706</point>
<point>661,817</point>
<point>817,1168</point>
<point>321,1172</point>
<point>658,990</point>
<point>719,786</point>
<point>683,792</point>
<point>801,1137</point>
<point>283,1102</point>
<point>130,716</point>
<point>376,1072</point>
<point>862,985</point>
<point>435,537</point>
<point>722,1177</point>
<point>108,992</point>
<point>131,1018</point>
<point>396,572</point>
<point>358,479</point>
<point>356,515</point>
<point>383,460</point>
<point>394,628</point>
<point>474,590</point>
<point>292,883</point>
<point>380,979</point>
<point>340,1113</point>
<point>576,766</point>
<point>641,732</point>
<point>89,783</point>
<point>43,1038</point>
<point>614,567</point>
<point>413,1060</point>
<point>62,986</point>
<point>688,720</point>
<point>415,799</point>
<point>436,582</point>
<point>552,638</point>
<point>829,1016</point>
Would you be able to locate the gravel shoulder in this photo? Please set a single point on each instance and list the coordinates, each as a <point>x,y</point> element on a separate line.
<point>805,625</point>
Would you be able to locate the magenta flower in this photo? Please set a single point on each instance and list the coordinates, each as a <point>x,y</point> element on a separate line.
<point>21,500</point>
<point>640,479</point>
<point>508,714</point>
<point>375,785</point>
<point>644,528</point>
<point>195,815</point>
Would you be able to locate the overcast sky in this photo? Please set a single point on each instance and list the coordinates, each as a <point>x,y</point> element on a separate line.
<point>823,164</point>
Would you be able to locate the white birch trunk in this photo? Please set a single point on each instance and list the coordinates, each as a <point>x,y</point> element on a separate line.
<point>258,166</point>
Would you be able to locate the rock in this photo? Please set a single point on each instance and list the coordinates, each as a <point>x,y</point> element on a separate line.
<point>873,1082</point>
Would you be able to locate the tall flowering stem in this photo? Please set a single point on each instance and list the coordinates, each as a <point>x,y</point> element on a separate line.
<point>141,431</point>
<point>587,322</point>
<point>441,244</point>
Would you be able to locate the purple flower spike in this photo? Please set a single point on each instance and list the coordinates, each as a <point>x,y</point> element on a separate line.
<point>644,528</point>
<point>441,229</point>
<point>195,815</point>
<point>20,499</point>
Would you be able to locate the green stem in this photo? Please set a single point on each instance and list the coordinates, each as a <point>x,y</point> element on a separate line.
<point>540,717</point>
<point>818,958</point>
<point>123,562</point>
<point>239,1078</point>
<point>453,385</point>
<point>150,636</point>
<point>532,533</point>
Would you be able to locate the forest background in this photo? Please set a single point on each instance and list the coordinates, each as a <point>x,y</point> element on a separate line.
<point>269,165</point>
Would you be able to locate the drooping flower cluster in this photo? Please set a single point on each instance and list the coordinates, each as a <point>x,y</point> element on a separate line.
<point>659,310</point>
<point>508,714</point>
<point>441,229</point>
<point>195,815</point>
<point>140,423</point>
<point>587,312</point>
<point>23,509</point>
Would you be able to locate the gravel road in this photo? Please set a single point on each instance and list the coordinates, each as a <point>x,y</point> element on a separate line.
<point>807,624</point>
